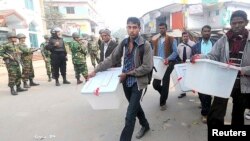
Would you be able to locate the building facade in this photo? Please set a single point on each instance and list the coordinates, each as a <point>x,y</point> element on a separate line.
<point>25,16</point>
<point>192,17</point>
<point>78,15</point>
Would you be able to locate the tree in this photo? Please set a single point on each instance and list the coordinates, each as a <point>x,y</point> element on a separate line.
<point>53,17</point>
<point>120,33</point>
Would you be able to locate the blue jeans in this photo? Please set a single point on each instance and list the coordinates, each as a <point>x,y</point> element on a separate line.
<point>134,110</point>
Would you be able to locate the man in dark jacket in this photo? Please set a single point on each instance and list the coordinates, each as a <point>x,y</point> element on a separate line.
<point>59,55</point>
<point>107,46</point>
<point>204,46</point>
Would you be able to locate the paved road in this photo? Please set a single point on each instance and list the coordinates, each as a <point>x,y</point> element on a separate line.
<point>52,113</point>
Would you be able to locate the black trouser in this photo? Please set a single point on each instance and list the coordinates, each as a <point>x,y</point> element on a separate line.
<point>164,88</point>
<point>219,107</point>
<point>59,63</point>
<point>134,110</point>
<point>205,103</point>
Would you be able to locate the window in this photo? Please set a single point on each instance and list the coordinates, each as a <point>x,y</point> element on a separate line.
<point>29,4</point>
<point>55,8</point>
<point>217,12</point>
<point>70,10</point>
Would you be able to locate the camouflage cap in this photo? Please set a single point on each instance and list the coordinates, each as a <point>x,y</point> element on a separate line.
<point>75,35</point>
<point>20,35</point>
<point>11,35</point>
<point>46,36</point>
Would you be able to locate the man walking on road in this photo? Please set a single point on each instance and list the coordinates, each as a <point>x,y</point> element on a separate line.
<point>134,75</point>
<point>164,46</point>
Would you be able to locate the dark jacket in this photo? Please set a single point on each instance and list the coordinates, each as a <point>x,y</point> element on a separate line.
<point>51,45</point>
<point>111,46</point>
<point>196,49</point>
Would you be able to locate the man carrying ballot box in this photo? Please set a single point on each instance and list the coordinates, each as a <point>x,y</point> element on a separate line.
<point>134,76</point>
<point>165,46</point>
<point>232,48</point>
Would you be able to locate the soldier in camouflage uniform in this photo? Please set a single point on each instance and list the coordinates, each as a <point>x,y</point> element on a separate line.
<point>79,51</point>
<point>11,56</point>
<point>46,56</point>
<point>26,59</point>
<point>93,50</point>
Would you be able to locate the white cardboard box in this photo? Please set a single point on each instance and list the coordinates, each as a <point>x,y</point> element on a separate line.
<point>211,77</point>
<point>103,90</point>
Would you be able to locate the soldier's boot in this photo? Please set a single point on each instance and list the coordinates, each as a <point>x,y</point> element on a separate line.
<point>49,78</point>
<point>32,83</point>
<point>12,91</point>
<point>94,65</point>
<point>25,85</point>
<point>65,81</point>
<point>19,89</point>
<point>79,81</point>
<point>57,82</point>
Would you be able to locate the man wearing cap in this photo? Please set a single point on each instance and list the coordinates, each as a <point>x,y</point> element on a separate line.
<point>79,52</point>
<point>107,46</point>
<point>46,56</point>
<point>59,55</point>
<point>11,56</point>
<point>26,59</point>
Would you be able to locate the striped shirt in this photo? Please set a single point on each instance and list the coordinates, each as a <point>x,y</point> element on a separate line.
<point>128,64</point>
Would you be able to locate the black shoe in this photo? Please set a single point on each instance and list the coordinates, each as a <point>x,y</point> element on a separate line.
<point>25,85</point>
<point>12,91</point>
<point>32,83</point>
<point>142,132</point>
<point>19,89</point>
<point>181,95</point>
<point>66,82</point>
<point>57,83</point>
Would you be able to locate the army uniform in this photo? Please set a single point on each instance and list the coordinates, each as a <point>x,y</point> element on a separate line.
<point>11,56</point>
<point>79,52</point>
<point>26,60</point>
<point>93,50</point>
<point>46,57</point>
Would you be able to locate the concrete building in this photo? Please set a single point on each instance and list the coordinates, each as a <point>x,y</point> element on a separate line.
<point>192,17</point>
<point>23,16</point>
<point>78,15</point>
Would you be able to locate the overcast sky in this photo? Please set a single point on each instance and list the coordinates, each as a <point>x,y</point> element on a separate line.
<point>116,12</point>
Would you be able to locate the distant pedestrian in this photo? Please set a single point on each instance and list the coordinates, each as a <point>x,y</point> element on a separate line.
<point>79,53</point>
<point>93,49</point>
<point>46,56</point>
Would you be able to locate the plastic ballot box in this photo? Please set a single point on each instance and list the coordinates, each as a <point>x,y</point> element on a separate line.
<point>103,90</point>
<point>178,77</point>
<point>211,77</point>
<point>160,68</point>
